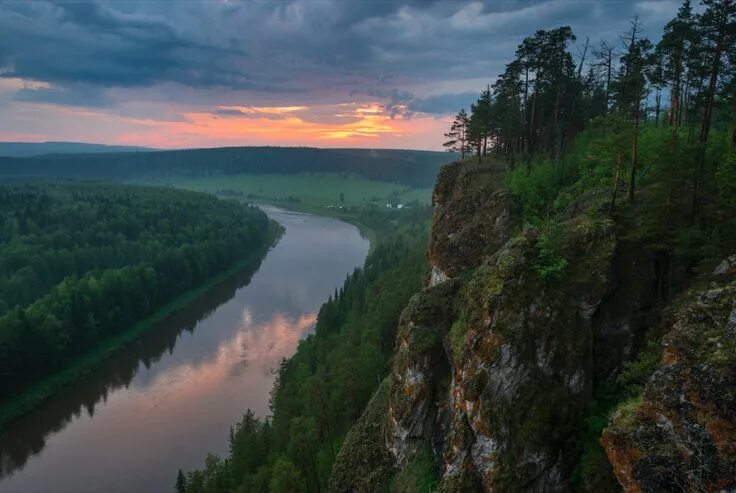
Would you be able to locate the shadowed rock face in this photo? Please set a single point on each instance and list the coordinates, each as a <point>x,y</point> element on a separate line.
<point>493,365</point>
<point>472,218</point>
<point>681,436</point>
<point>495,361</point>
<point>420,364</point>
<point>522,364</point>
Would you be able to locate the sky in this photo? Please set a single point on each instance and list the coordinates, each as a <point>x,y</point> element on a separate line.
<point>322,73</point>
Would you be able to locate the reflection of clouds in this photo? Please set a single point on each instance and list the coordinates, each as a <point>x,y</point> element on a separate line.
<point>246,319</point>
<point>254,350</point>
<point>266,345</point>
<point>164,410</point>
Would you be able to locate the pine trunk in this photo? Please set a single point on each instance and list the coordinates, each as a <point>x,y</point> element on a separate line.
<point>707,115</point>
<point>531,121</point>
<point>733,125</point>
<point>616,182</point>
<point>634,154</point>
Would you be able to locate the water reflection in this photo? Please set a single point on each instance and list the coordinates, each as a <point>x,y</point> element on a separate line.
<point>171,397</point>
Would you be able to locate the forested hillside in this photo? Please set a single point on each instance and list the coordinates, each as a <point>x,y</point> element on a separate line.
<point>576,333</point>
<point>648,128</point>
<point>411,168</point>
<point>25,149</point>
<point>322,390</point>
<point>82,262</point>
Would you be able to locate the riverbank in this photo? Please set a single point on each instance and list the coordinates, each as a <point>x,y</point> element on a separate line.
<point>86,363</point>
<point>349,216</point>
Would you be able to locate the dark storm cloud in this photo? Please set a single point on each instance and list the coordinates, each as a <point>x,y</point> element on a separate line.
<point>404,103</point>
<point>297,49</point>
<point>234,112</point>
<point>439,104</point>
<point>228,112</point>
<point>75,95</point>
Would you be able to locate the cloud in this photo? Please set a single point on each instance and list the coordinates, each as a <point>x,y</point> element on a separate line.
<point>406,105</point>
<point>227,112</point>
<point>71,95</point>
<point>294,46</point>
<point>413,59</point>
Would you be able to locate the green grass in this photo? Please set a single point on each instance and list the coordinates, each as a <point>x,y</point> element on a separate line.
<point>37,393</point>
<point>310,189</point>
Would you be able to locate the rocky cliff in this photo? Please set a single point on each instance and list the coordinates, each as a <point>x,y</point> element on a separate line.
<point>497,358</point>
<point>681,435</point>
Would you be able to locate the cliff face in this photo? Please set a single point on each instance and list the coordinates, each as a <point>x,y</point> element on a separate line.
<point>472,218</point>
<point>497,358</point>
<point>681,436</point>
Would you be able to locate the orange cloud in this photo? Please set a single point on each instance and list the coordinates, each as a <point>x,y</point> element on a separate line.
<point>369,125</point>
<point>265,110</point>
<point>329,125</point>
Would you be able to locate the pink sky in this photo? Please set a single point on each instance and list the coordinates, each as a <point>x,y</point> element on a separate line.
<point>170,125</point>
<point>325,73</point>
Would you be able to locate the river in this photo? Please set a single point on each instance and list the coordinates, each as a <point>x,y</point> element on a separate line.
<point>164,402</point>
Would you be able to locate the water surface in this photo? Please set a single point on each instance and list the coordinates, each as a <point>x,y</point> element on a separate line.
<point>166,401</point>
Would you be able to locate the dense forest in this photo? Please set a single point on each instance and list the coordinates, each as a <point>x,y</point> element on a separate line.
<point>638,121</point>
<point>27,149</point>
<point>411,168</point>
<point>81,262</point>
<point>322,390</point>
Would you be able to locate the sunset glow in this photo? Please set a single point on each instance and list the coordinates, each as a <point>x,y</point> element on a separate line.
<point>323,74</point>
<point>334,125</point>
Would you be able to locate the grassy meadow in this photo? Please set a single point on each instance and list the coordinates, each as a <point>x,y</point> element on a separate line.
<point>308,191</point>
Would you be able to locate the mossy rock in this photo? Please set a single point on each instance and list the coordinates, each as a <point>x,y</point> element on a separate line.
<point>419,474</point>
<point>364,463</point>
<point>681,433</point>
<point>472,217</point>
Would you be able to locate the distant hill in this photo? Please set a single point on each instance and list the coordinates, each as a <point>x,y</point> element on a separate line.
<point>412,168</point>
<point>26,149</point>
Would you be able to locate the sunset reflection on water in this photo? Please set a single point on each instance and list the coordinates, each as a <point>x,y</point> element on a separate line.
<point>171,398</point>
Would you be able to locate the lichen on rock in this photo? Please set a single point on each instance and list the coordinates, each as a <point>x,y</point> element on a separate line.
<point>681,435</point>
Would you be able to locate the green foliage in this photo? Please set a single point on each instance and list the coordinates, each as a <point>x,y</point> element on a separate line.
<point>322,390</point>
<point>551,263</point>
<point>457,336</point>
<point>181,483</point>
<point>726,178</point>
<point>536,187</point>
<point>285,478</point>
<point>594,469</point>
<point>82,263</point>
<point>636,372</point>
<point>420,473</point>
<point>660,219</point>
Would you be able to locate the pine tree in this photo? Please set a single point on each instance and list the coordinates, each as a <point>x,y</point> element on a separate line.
<point>457,140</point>
<point>717,29</point>
<point>479,123</point>
<point>604,66</point>
<point>672,51</point>
<point>636,62</point>
<point>181,483</point>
